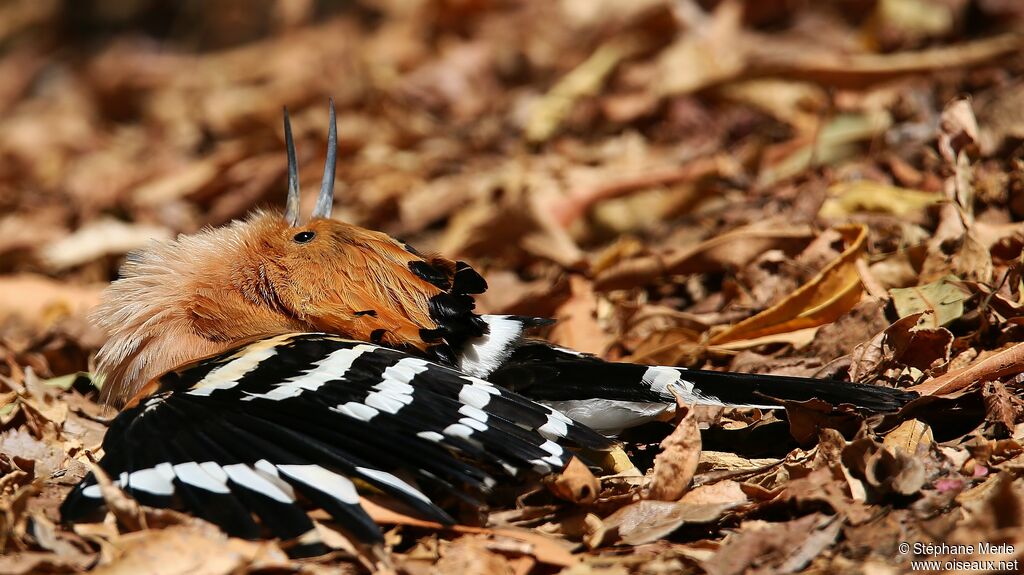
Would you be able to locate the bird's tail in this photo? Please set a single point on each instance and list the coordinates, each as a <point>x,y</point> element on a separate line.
<point>560,377</point>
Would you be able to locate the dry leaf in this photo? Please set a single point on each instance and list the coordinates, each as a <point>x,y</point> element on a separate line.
<point>847,198</point>
<point>578,326</point>
<point>584,80</point>
<point>859,70</point>
<point>730,250</point>
<point>195,549</point>
<point>1001,364</point>
<point>675,466</point>
<point>828,295</point>
<point>944,298</point>
<point>910,437</point>
<point>100,238</point>
<point>42,300</point>
<point>706,55</point>
<point>649,520</point>
<point>576,483</point>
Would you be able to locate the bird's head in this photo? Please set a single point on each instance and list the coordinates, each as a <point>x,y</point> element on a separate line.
<point>204,293</point>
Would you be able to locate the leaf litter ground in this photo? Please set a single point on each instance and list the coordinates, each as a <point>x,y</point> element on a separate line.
<point>831,190</point>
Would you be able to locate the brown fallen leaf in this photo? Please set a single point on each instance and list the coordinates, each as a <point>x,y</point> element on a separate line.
<point>828,295</point>
<point>649,520</point>
<point>808,418</point>
<point>969,259</point>
<point>1010,361</point>
<point>709,53</point>
<point>578,327</point>
<point>860,70</point>
<point>473,554</point>
<point>1002,406</point>
<point>731,250</point>
<point>909,341</point>
<point>545,548</point>
<point>194,549</point>
<point>676,465</point>
<point>884,469</point>
<point>910,437</point>
<point>576,483</point>
<point>725,491</point>
<point>764,547</point>
<point>584,80</point>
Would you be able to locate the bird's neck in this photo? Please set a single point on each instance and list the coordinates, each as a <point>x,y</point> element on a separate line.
<point>181,301</point>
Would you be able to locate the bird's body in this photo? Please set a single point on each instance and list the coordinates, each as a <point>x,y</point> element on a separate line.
<point>267,363</point>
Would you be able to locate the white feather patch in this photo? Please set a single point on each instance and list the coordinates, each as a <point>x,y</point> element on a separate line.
<point>555,428</point>
<point>247,359</point>
<point>247,477</point>
<point>269,472</point>
<point>482,355</point>
<point>333,484</point>
<point>431,436</point>
<point>609,416</point>
<point>357,410</point>
<point>475,396</point>
<point>195,475</point>
<point>389,479</point>
<point>330,368</point>
<point>459,430</point>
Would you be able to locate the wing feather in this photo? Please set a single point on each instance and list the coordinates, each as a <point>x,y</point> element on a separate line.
<point>247,438</point>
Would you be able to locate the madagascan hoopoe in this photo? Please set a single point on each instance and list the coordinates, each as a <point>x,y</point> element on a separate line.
<point>269,363</point>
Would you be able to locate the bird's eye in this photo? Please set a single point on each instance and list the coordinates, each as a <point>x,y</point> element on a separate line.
<point>303,237</point>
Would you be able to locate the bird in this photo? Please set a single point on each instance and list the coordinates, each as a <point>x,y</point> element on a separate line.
<point>272,364</point>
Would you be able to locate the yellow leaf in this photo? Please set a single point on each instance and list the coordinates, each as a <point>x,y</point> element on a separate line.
<point>828,295</point>
<point>846,198</point>
<point>909,437</point>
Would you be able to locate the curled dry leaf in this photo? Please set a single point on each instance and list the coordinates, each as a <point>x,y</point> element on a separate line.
<point>648,520</point>
<point>827,296</point>
<point>763,547</point>
<point>886,470</point>
<point>910,437</point>
<point>576,483</point>
<point>545,549</point>
<point>955,250</point>
<point>728,251</point>
<point>958,130</point>
<point>908,342</point>
<point>675,466</point>
<point>194,549</point>
<point>998,365</point>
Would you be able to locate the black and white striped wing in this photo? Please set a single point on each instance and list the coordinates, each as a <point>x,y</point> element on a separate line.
<point>240,439</point>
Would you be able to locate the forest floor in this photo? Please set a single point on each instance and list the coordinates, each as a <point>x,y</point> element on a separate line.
<point>819,189</point>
